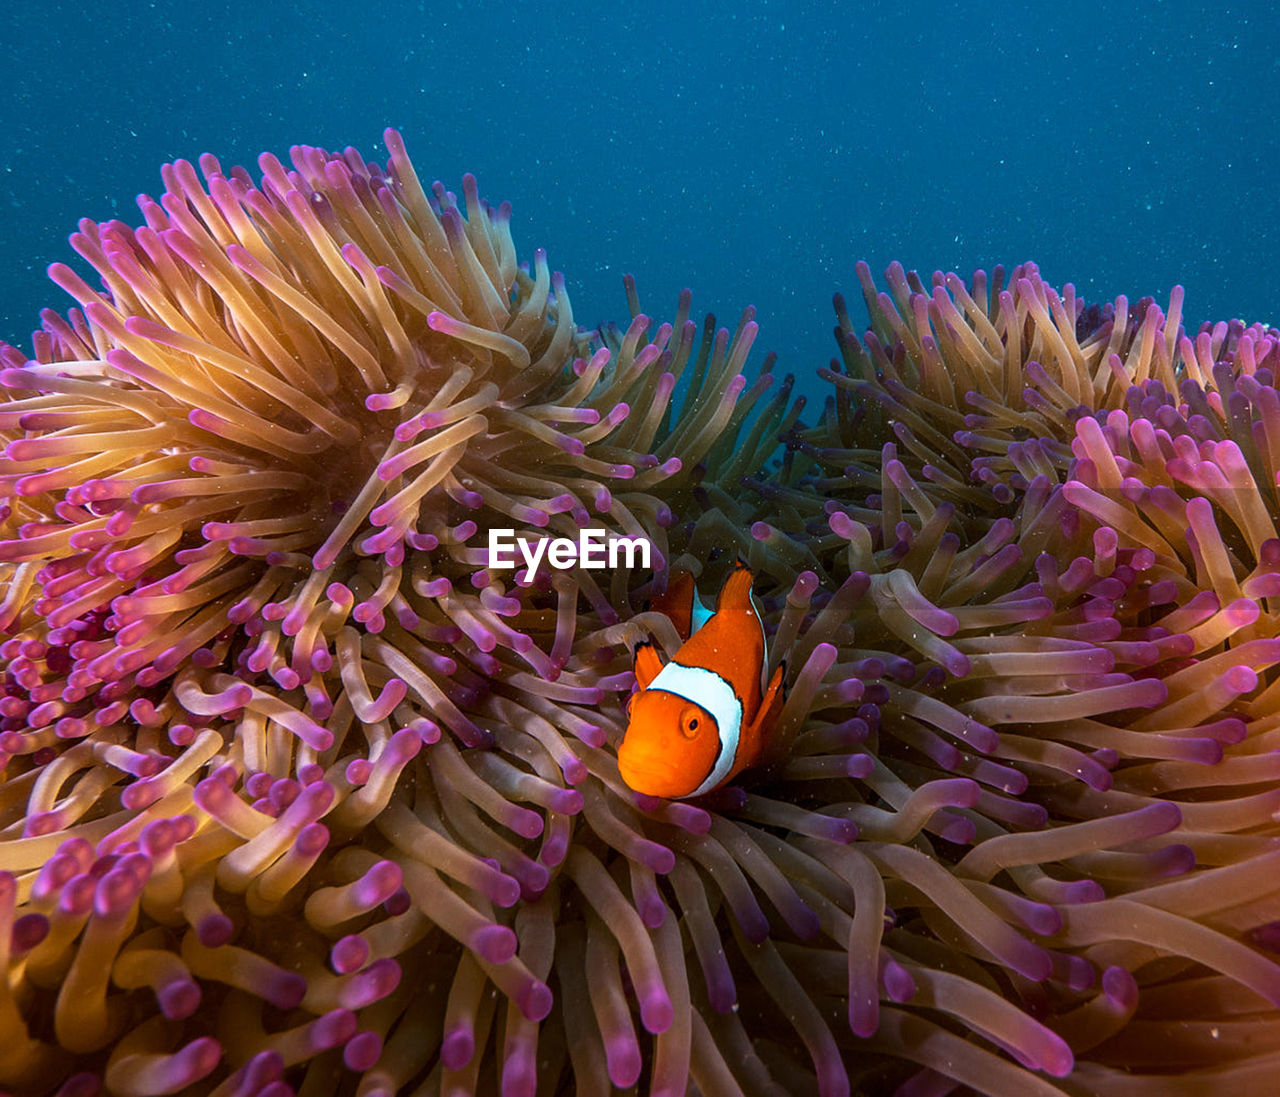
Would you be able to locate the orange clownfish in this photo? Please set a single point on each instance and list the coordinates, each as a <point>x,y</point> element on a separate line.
<point>705,716</point>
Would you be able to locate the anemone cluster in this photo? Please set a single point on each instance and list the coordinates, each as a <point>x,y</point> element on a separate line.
<point>300,796</point>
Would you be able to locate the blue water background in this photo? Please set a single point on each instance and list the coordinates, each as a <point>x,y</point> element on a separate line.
<point>752,152</point>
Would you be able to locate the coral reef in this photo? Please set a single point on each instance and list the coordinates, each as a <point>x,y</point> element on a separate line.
<point>300,796</point>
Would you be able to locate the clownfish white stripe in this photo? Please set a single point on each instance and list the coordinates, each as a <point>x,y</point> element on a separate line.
<point>706,688</point>
<point>764,641</point>
<point>699,614</point>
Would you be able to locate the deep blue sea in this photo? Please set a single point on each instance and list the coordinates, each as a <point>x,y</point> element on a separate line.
<point>750,151</point>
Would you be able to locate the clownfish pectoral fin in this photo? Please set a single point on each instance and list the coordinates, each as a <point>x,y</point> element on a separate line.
<point>647,663</point>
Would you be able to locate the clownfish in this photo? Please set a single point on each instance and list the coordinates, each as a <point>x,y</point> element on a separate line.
<point>699,720</point>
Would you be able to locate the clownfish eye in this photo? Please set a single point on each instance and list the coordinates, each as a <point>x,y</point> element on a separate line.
<point>689,723</point>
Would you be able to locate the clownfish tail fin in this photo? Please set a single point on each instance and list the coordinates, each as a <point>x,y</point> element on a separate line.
<point>760,734</point>
<point>784,687</point>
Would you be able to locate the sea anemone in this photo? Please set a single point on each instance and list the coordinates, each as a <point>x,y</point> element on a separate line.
<point>301,795</point>
<point>1156,639</point>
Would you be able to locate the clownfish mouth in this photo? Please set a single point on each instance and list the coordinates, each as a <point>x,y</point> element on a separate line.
<point>650,777</point>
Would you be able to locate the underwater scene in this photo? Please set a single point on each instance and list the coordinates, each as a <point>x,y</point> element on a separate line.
<point>431,670</point>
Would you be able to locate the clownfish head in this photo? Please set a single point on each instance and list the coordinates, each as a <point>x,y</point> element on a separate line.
<point>670,746</point>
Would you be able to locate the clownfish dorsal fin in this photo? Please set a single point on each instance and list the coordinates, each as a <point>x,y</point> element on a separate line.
<point>678,602</point>
<point>648,663</point>
<point>736,592</point>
